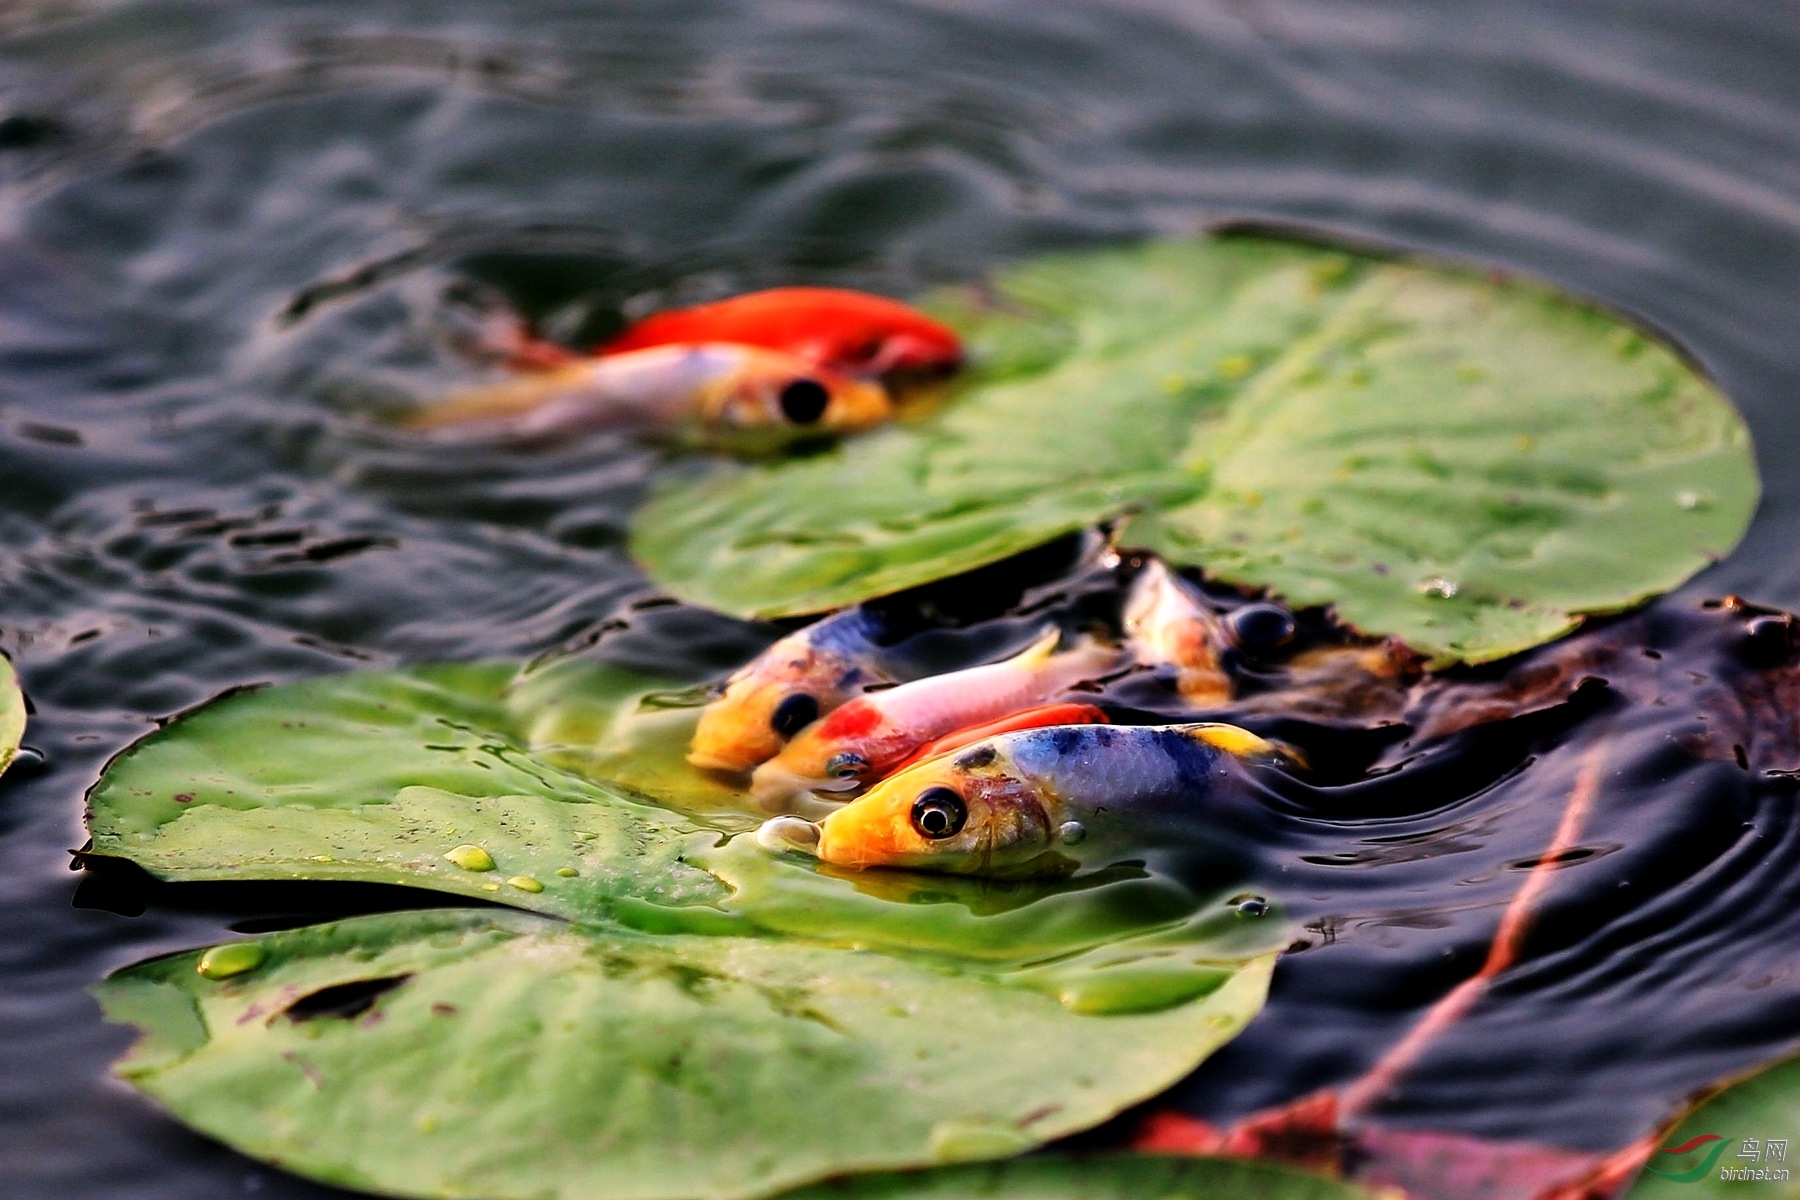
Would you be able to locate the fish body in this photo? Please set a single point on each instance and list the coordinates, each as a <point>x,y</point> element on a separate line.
<point>1031,718</point>
<point>804,676</point>
<point>834,328</point>
<point>1169,624</point>
<point>1037,801</point>
<point>872,734</point>
<point>720,387</point>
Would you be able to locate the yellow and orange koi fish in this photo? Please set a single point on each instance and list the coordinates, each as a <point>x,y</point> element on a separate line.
<point>871,735</point>
<point>804,676</point>
<point>1042,801</point>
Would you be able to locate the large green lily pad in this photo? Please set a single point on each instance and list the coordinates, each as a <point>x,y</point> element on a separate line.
<point>1730,1133</point>
<point>1102,1177</point>
<point>1467,462</point>
<point>719,1022</point>
<point>12,713</point>
<point>375,777</point>
<point>518,1057</point>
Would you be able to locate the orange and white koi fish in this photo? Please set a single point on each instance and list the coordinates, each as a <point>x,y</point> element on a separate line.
<point>802,677</point>
<point>1168,624</point>
<point>869,736</point>
<point>834,328</point>
<point>718,387</point>
<point>1041,801</point>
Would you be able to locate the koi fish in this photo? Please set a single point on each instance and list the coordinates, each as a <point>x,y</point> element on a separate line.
<point>718,386</point>
<point>1168,624</point>
<point>869,736</point>
<point>1031,718</point>
<point>787,687</point>
<point>834,328</point>
<point>1038,801</point>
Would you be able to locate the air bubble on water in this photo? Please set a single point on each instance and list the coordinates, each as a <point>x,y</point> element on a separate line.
<point>1248,905</point>
<point>1072,833</point>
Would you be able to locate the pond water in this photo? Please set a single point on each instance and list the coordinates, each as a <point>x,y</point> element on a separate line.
<point>229,231</point>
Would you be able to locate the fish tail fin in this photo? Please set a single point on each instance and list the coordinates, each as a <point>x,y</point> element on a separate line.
<point>502,401</point>
<point>1242,744</point>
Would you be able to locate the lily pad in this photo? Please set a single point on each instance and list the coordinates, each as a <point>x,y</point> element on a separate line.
<point>12,713</point>
<point>506,1055</point>
<point>378,777</point>
<point>1727,1134</point>
<point>1467,462</point>
<point>1102,1177</point>
<point>721,1022</point>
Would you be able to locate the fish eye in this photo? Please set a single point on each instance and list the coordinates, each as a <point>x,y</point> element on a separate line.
<point>939,813</point>
<point>846,766</point>
<point>1261,626</point>
<point>803,401</point>
<point>794,713</point>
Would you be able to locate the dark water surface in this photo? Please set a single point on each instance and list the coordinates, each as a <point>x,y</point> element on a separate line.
<point>227,230</point>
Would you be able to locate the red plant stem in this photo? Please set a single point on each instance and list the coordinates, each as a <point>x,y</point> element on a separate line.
<point>1515,922</point>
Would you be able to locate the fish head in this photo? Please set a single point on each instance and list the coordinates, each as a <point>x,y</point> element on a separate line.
<point>969,812</point>
<point>774,392</point>
<point>764,705</point>
<point>843,753</point>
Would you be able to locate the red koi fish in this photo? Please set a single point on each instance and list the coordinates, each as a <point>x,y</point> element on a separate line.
<point>834,328</point>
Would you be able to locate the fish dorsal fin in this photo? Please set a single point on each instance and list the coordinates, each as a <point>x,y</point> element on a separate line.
<point>1039,651</point>
<point>1242,744</point>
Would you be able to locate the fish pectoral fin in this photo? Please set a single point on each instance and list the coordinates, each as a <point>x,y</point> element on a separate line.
<point>1242,744</point>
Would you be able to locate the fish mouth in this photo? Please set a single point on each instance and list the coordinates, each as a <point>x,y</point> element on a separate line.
<point>717,762</point>
<point>789,833</point>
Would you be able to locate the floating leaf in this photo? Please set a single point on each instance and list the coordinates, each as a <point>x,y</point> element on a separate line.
<point>1102,1177</point>
<point>1728,1133</point>
<point>12,713</point>
<point>1467,462</point>
<point>505,1055</point>
<point>723,1023</point>
<point>383,777</point>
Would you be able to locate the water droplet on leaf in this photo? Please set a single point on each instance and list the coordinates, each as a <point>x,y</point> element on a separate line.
<point>470,858</point>
<point>222,962</point>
